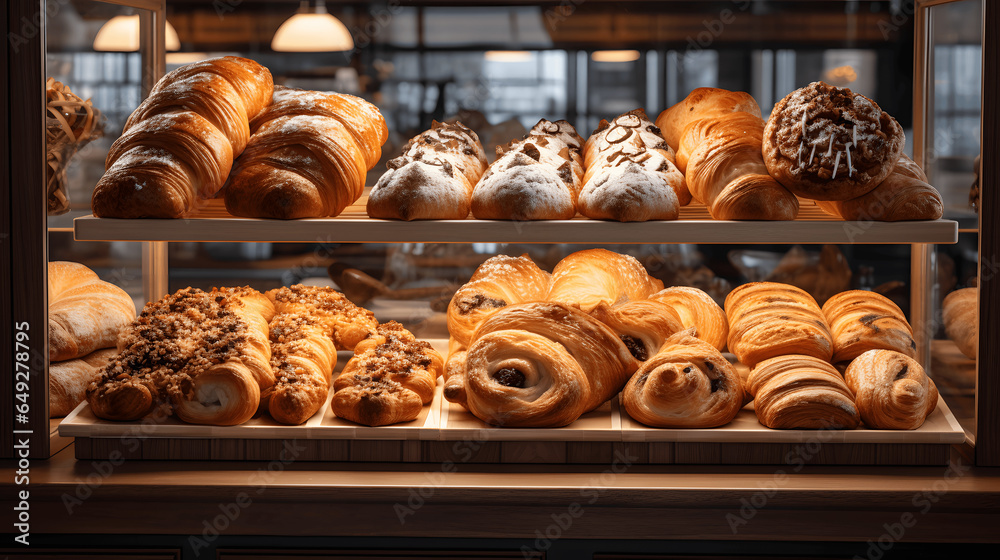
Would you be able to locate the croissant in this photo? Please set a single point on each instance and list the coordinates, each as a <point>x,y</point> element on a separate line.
<point>829,143</point>
<point>687,384</point>
<point>85,312</point>
<point>308,156</point>
<point>891,390</point>
<point>206,354</point>
<point>390,378</point>
<point>768,319</point>
<point>643,325</point>
<point>904,195</point>
<point>537,178</point>
<point>717,135</point>
<point>860,321</point>
<point>309,324</point>
<point>433,178</point>
<point>587,278</point>
<point>68,380</point>
<point>697,309</point>
<point>497,283</point>
<point>961,320</point>
<point>631,176</point>
<point>796,391</point>
<point>539,364</point>
<point>180,143</point>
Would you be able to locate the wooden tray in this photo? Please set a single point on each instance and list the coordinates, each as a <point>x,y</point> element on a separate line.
<point>602,424</point>
<point>940,427</point>
<point>212,223</point>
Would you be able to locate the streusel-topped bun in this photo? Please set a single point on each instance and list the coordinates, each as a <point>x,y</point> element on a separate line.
<point>828,143</point>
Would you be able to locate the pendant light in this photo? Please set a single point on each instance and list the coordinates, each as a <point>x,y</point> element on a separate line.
<point>312,29</point>
<point>121,34</point>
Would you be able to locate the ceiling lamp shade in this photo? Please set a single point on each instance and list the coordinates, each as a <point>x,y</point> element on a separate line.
<point>615,56</point>
<point>508,56</point>
<point>121,34</point>
<point>312,30</point>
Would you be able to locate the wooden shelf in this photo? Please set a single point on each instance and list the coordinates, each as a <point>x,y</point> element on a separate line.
<point>213,223</point>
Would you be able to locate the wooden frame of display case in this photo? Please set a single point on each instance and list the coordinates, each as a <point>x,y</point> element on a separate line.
<point>27,227</point>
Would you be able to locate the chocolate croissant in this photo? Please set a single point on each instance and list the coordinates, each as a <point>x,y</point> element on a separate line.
<point>767,319</point>
<point>539,364</point>
<point>687,384</point>
<point>891,390</point>
<point>860,321</point>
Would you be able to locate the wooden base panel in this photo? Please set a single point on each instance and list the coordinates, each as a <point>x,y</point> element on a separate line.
<point>514,452</point>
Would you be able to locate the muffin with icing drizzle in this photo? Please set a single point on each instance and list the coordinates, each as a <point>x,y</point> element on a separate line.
<point>828,143</point>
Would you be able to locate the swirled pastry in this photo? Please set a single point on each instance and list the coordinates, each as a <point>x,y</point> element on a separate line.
<point>631,175</point>
<point>390,378</point>
<point>643,325</point>
<point>891,390</point>
<point>904,195</point>
<point>860,321</point>
<point>85,312</point>
<point>717,135</point>
<point>206,354</point>
<point>796,391</point>
<point>768,319</point>
<point>587,278</point>
<point>829,143</point>
<point>309,325</point>
<point>960,313</point>
<point>697,309</point>
<point>540,364</point>
<point>537,178</point>
<point>497,283</point>
<point>687,384</point>
<point>433,178</point>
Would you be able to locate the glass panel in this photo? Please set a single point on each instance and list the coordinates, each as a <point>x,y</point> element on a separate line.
<point>90,94</point>
<point>951,162</point>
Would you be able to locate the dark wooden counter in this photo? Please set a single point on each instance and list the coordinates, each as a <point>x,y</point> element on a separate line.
<point>958,503</point>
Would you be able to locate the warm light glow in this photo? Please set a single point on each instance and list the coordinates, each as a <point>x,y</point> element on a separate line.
<point>508,56</point>
<point>312,30</point>
<point>842,74</point>
<point>615,56</point>
<point>121,34</point>
<point>179,58</point>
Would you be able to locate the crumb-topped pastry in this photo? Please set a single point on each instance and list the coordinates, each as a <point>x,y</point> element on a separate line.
<point>390,378</point>
<point>828,143</point>
<point>309,325</point>
<point>206,354</point>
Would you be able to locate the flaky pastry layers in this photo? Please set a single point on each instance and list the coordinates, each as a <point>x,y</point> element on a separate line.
<point>85,312</point>
<point>587,278</point>
<point>861,320</point>
<point>804,392</point>
<point>697,309</point>
<point>539,364</point>
<point>768,319</point>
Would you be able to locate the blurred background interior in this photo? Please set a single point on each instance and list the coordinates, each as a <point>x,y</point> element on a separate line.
<point>501,66</point>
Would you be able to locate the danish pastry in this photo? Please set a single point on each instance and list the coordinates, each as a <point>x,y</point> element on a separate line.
<point>891,390</point>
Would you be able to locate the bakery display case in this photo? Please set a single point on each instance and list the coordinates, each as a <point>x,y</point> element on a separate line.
<point>448,301</point>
